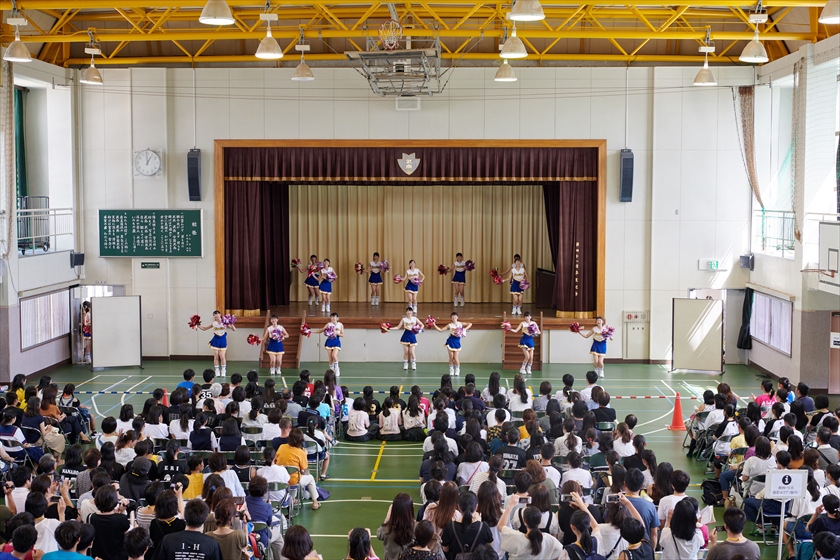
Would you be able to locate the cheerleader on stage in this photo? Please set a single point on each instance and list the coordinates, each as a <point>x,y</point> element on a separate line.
<point>334,330</point>
<point>459,278</point>
<point>311,282</point>
<point>409,337</point>
<point>218,343</point>
<point>326,285</point>
<point>274,336</point>
<point>375,279</point>
<point>412,288</point>
<point>599,345</point>
<point>453,343</point>
<point>517,275</point>
<point>529,331</point>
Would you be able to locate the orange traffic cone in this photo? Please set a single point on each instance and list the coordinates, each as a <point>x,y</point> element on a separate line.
<point>165,400</point>
<point>677,423</point>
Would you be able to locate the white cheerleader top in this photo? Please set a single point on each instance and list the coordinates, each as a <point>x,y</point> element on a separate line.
<point>408,323</point>
<point>597,334</point>
<point>324,271</point>
<point>218,328</point>
<point>278,329</point>
<point>460,266</point>
<point>518,274</point>
<point>409,274</point>
<point>453,326</point>
<point>525,325</point>
<point>374,266</point>
<point>339,328</point>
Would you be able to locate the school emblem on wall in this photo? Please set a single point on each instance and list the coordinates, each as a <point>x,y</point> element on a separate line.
<point>409,163</point>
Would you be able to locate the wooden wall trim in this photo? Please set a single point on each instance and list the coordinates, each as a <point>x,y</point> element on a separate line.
<point>219,186</point>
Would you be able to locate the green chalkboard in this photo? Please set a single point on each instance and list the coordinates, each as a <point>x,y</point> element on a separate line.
<point>150,233</point>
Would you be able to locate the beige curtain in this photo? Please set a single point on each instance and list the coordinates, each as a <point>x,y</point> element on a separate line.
<point>429,224</point>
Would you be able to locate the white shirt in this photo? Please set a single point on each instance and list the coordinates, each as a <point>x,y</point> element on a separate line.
<point>491,417</point>
<point>124,456</point>
<point>756,466</point>
<point>453,445</point>
<point>389,425</point>
<point>410,421</point>
<point>611,537</point>
<point>19,496</point>
<point>516,404</point>
<point>124,426</point>
<point>467,471</point>
<point>274,473</point>
<point>715,417</point>
<point>624,449</point>
<point>178,433</point>
<point>270,431</point>
<point>487,397</point>
<point>519,547</point>
<point>586,393</point>
<point>678,549</point>
<point>553,475</point>
<point>553,526</point>
<point>561,449</point>
<point>582,476</point>
<point>666,505</point>
<point>481,478</point>
<point>358,423</point>
<point>46,535</point>
<point>157,431</point>
<point>231,482</point>
<point>409,274</point>
<point>518,274</point>
<point>430,421</point>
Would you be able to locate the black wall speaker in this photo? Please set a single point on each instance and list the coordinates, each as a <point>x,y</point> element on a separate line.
<point>748,261</point>
<point>194,174</point>
<point>77,259</point>
<point>625,180</point>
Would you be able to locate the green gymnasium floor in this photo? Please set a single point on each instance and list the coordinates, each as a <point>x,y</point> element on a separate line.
<point>372,473</point>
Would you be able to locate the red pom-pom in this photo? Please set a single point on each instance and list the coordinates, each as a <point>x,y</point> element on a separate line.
<point>498,280</point>
<point>430,321</point>
<point>254,340</point>
<point>295,263</point>
<point>442,269</point>
<point>305,330</point>
<point>385,327</point>
<point>575,327</point>
<point>195,321</point>
<point>360,268</point>
<point>397,278</point>
<point>506,326</point>
<point>494,273</point>
<point>469,266</point>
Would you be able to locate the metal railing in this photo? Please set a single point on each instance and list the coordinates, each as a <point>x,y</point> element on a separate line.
<point>44,229</point>
<point>772,232</point>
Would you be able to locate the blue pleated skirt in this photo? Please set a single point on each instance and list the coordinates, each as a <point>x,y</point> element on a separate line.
<point>453,343</point>
<point>218,342</point>
<point>514,287</point>
<point>459,277</point>
<point>408,338</point>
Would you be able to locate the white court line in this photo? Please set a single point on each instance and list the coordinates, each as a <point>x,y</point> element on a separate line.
<point>660,417</point>
<point>88,381</point>
<point>122,400</point>
<point>93,397</point>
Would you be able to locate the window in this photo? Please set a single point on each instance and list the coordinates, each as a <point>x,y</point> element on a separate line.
<point>44,318</point>
<point>771,322</point>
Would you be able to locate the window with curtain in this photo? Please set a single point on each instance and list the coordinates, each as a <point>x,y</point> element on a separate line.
<point>21,179</point>
<point>44,318</point>
<point>771,322</point>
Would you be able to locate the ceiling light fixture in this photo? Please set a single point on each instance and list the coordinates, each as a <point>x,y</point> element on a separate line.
<point>302,73</point>
<point>513,47</point>
<point>705,77</point>
<point>17,51</point>
<point>216,12</point>
<point>269,49</point>
<point>754,52</point>
<point>830,14</point>
<point>91,75</point>
<point>505,73</point>
<point>526,10</point>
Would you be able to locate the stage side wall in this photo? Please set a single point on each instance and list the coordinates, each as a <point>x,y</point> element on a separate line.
<point>690,197</point>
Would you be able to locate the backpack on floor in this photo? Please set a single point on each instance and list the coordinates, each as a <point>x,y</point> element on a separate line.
<point>712,494</point>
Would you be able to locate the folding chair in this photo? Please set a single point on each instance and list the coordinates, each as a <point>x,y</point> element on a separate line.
<point>295,495</point>
<point>560,463</point>
<point>605,426</point>
<point>693,426</point>
<point>312,448</point>
<point>252,434</point>
<point>800,522</point>
<point>762,518</point>
<point>9,442</point>
<point>288,495</point>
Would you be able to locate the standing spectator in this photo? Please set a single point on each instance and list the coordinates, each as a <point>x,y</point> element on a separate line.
<point>232,542</point>
<point>67,535</point>
<point>37,505</point>
<point>111,523</point>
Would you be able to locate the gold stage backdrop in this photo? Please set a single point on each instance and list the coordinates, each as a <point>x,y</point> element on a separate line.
<point>427,223</point>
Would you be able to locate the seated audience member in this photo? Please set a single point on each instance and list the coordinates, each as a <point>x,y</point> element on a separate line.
<point>735,543</point>
<point>200,546</point>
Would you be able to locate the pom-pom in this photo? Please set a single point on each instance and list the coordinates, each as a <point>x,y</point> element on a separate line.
<point>469,266</point>
<point>276,334</point>
<point>330,331</point>
<point>254,340</point>
<point>494,273</point>
<point>384,266</point>
<point>416,281</point>
<point>360,268</point>
<point>330,276</point>
<point>319,265</point>
<point>228,320</point>
<point>607,332</point>
<point>87,330</point>
<point>460,332</point>
<point>385,327</point>
<point>575,327</point>
<point>533,329</point>
<point>417,328</point>
<point>295,263</point>
<point>442,269</point>
<point>506,326</point>
<point>195,321</point>
<point>305,330</point>
<point>397,278</point>
<point>524,285</point>
<point>498,280</point>
<point>311,270</point>
<point>430,321</point>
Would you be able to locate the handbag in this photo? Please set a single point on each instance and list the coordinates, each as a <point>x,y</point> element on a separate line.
<point>466,554</point>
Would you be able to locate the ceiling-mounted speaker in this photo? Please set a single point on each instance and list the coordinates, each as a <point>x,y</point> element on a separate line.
<point>194,174</point>
<point>625,180</point>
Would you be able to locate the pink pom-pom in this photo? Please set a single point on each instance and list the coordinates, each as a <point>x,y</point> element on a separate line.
<point>195,321</point>
<point>397,278</point>
<point>442,269</point>
<point>384,266</point>
<point>385,327</point>
<point>330,276</point>
<point>228,320</point>
<point>498,280</point>
<point>533,329</point>
<point>506,326</point>
<point>430,321</point>
<point>575,327</point>
<point>305,330</point>
<point>254,340</point>
<point>607,332</point>
<point>330,331</point>
<point>360,268</point>
<point>319,265</point>
<point>417,328</point>
<point>524,285</point>
<point>469,266</point>
<point>460,332</point>
<point>416,281</point>
<point>276,334</point>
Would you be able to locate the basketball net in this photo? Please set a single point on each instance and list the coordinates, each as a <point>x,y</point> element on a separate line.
<point>390,33</point>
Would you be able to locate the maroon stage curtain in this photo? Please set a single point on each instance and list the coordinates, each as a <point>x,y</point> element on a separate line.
<point>571,210</point>
<point>375,164</point>
<point>256,245</point>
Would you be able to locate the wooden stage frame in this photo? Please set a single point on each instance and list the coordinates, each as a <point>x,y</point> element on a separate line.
<point>219,195</point>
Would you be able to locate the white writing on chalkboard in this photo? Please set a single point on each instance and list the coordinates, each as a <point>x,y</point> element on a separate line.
<point>149,233</point>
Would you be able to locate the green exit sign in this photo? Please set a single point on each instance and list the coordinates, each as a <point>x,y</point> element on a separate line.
<point>149,265</point>
<point>714,265</point>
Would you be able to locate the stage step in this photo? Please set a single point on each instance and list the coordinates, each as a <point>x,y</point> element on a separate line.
<point>512,353</point>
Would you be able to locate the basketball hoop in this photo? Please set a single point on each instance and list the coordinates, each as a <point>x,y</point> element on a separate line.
<point>813,276</point>
<point>390,33</point>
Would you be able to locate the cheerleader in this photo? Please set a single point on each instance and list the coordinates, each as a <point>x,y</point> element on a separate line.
<point>311,282</point>
<point>411,287</point>
<point>599,345</point>
<point>459,278</point>
<point>86,330</point>
<point>274,336</point>
<point>409,337</point>
<point>375,279</point>
<point>333,343</point>
<point>526,342</point>
<point>453,343</point>
<point>517,275</point>
<point>218,343</point>
<point>326,285</point>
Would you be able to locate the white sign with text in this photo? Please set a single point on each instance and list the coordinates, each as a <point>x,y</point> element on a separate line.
<point>785,484</point>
